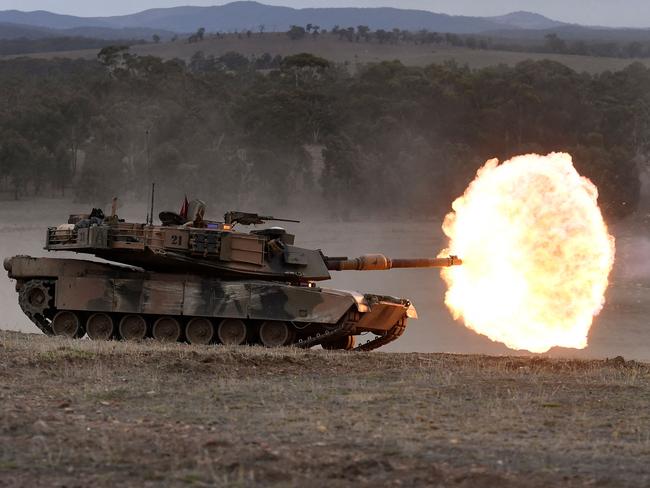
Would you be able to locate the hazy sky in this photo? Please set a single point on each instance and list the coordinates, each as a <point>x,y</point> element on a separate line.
<point>632,13</point>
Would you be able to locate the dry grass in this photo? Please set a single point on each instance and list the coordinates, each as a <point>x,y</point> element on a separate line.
<point>333,49</point>
<point>78,413</point>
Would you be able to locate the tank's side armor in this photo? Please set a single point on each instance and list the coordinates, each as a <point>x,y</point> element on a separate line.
<point>74,297</point>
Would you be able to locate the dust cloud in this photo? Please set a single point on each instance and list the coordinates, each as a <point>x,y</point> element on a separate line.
<point>621,328</point>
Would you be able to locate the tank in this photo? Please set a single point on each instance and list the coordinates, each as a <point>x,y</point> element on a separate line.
<point>204,282</point>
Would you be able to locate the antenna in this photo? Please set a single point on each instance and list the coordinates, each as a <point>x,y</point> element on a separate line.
<point>153,192</point>
<point>147,133</point>
<point>149,218</point>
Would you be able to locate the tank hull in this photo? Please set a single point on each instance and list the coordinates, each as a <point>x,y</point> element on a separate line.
<point>307,315</point>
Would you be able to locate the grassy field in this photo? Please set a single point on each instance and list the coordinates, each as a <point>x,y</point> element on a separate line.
<point>332,48</point>
<point>78,413</point>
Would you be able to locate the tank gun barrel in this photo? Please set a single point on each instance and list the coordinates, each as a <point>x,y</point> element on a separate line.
<point>370,262</point>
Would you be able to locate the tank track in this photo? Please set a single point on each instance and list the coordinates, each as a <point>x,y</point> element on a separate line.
<point>347,328</point>
<point>392,335</point>
<point>37,314</point>
<point>41,323</point>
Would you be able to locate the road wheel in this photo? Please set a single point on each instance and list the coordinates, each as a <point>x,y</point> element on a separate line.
<point>133,328</point>
<point>100,327</point>
<point>275,334</point>
<point>345,343</point>
<point>166,329</point>
<point>199,330</point>
<point>67,324</point>
<point>232,332</point>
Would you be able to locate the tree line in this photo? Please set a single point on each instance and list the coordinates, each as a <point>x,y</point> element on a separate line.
<point>301,131</point>
<point>550,43</point>
<point>58,44</point>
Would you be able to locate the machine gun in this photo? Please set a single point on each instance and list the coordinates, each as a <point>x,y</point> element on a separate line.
<point>245,218</point>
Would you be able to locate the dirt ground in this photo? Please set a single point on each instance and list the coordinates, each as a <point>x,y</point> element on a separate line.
<point>82,413</point>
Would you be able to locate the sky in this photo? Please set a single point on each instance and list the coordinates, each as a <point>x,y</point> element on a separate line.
<point>614,13</point>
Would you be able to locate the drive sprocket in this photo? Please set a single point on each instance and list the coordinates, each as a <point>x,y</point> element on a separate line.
<point>35,299</point>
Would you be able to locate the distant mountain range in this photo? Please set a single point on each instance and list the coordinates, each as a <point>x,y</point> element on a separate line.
<point>17,31</point>
<point>239,16</point>
<point>526,20</point>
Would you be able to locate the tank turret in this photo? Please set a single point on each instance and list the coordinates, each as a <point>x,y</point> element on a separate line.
<point>215,249</point>
<point>203,281</point>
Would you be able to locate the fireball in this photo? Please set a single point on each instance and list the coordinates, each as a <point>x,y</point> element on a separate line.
<point>536,253</point>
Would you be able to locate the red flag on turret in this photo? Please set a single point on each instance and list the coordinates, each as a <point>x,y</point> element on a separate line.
<point>184,208</point>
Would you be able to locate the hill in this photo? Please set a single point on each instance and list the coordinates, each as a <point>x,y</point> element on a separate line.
<point>247,15</point>
<point>574,32</point>
<point>9,31</point>
<point>42,18</point>
<point>137,414</point>
<point>526,20</point>
<point>330,47</point>
<point>250,15</point>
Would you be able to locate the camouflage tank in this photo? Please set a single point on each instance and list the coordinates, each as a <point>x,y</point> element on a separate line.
<point>203,282</point>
